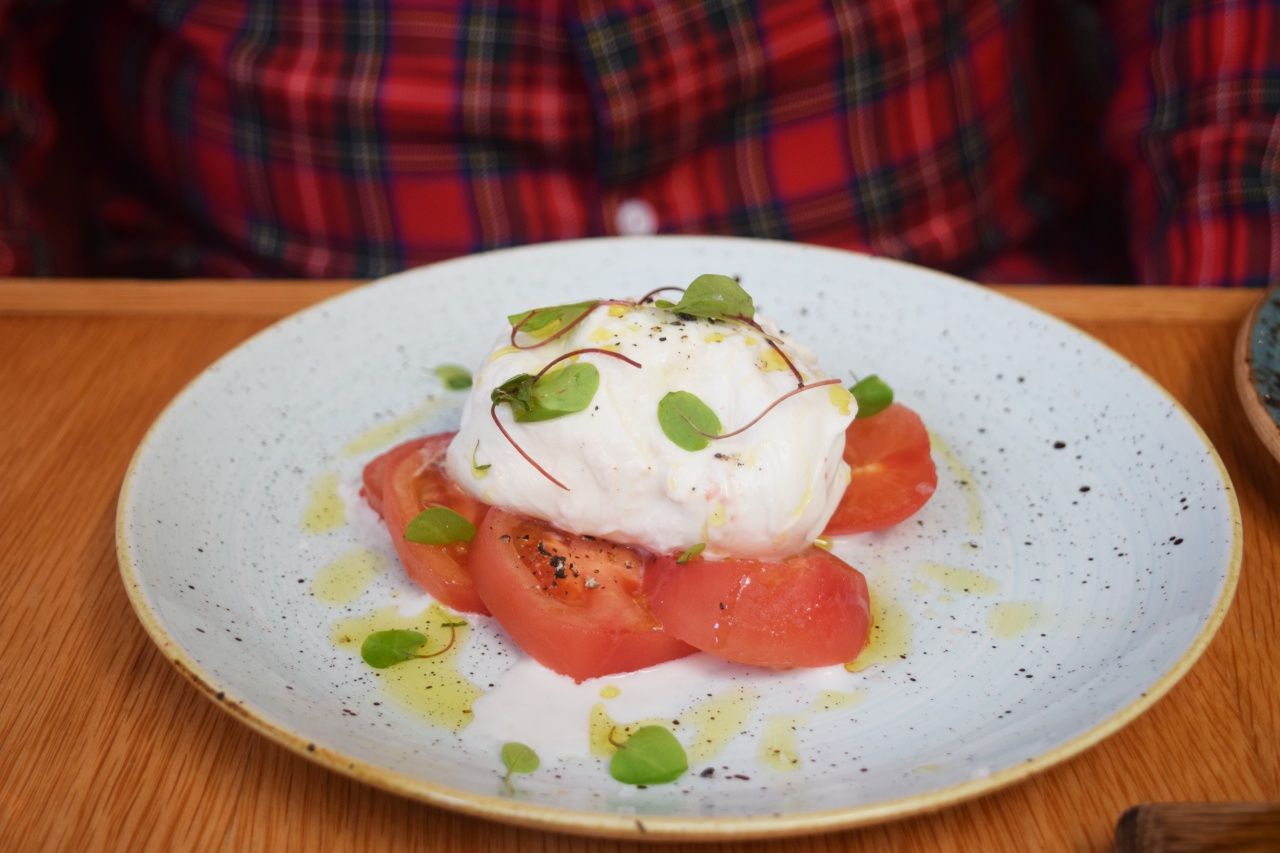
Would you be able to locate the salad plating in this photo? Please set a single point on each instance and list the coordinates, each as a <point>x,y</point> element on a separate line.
<point>595,504</point>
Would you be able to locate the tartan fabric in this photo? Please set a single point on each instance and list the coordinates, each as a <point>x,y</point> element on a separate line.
<point>998,139</point>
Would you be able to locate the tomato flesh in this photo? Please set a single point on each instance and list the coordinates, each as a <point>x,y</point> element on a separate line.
<point>375,472</point>
<point>587,607</point>
<point>893,472</point>
<point>412,479</point>
<point>573,603</point>
<point>809,610</point>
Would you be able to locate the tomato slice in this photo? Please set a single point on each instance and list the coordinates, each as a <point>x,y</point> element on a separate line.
<point>375,472</point>
<point>893,471</point>
<point>413,478</point>
<point>808,610</point>
<point>573,603</point>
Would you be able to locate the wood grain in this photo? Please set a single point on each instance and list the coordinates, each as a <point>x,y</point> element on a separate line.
<point>106,747</point>
<point>278,297</point>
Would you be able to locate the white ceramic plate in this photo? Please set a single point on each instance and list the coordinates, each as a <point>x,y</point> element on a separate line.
<point>1081,551</point>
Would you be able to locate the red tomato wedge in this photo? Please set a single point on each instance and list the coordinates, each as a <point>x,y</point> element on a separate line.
<point>893,472</point>
<point>572,603</point>
<point>808,610</point>
<point>413,478</point>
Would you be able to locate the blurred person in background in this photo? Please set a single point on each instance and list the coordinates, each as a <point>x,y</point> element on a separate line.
<point>1001,140</point>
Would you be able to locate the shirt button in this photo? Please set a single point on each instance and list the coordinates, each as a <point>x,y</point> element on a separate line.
<point>635,217</point>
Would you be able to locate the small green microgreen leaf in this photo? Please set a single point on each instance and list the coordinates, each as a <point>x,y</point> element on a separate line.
<point>560,392</point>
<point>715,297</point>
<point>651,756</point>
<point>382,649</point>
<point>439,525</point>
<point>873,396</point>
<point>664,303</point>
<point>691,553</point>
<point>454,377</point>
<point>516,392</point>
<point>518,758</point>
<point>544,322</point>
<point>684,419</point>
<point>477,470</point>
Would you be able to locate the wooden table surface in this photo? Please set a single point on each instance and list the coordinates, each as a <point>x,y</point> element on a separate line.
<point>104,745</point>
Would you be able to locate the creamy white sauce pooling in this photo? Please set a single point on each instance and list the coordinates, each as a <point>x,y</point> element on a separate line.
<point>766,493</point>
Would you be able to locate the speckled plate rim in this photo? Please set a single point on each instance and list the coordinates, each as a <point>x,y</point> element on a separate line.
<point>1247,388</point>
<point>603,824</point>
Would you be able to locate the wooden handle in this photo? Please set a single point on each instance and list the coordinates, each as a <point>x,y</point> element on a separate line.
<point>1188,827</point>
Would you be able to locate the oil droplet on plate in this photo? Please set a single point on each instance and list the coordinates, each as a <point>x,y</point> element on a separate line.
<point>718,720</point>
<point>609,691</point>
<point>1011,619</point>
<point>831,700</point>
<point>890,638</point>
<point>779,744</point>
<point>957,580</point>
<point>779,748</point>
<point>963,478</point>
<point>346,578</point>
<point>714,722</point>
<point>431,688</point>
<point>382,434</point>
<point>324,511</point>
<point>603,730</point>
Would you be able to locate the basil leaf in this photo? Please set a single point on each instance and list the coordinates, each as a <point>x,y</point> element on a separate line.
<point>544,322</point>
<point>518,758</point>
<point>651,756</point>
<point>382,649</point>
<point>684,419</point>
<point>439,525</point>
<point>873,396</point>
<point>691,553</point>
<point>560,392</point>
<point>516,392</point>
<point>715,297</point>
<point>454,377</point>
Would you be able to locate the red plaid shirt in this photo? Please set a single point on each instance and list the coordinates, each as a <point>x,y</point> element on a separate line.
<point>994,138</point>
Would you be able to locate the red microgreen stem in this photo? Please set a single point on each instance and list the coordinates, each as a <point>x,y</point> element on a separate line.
<point>493,409</point>
<point>614,743</point>
<point>567,326</point>
<point>453,636</point>
<point>583,351</point>
<point>767,410</point>
<point>652,293</point>
<point>776,347</point>
<point>493,413</point>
